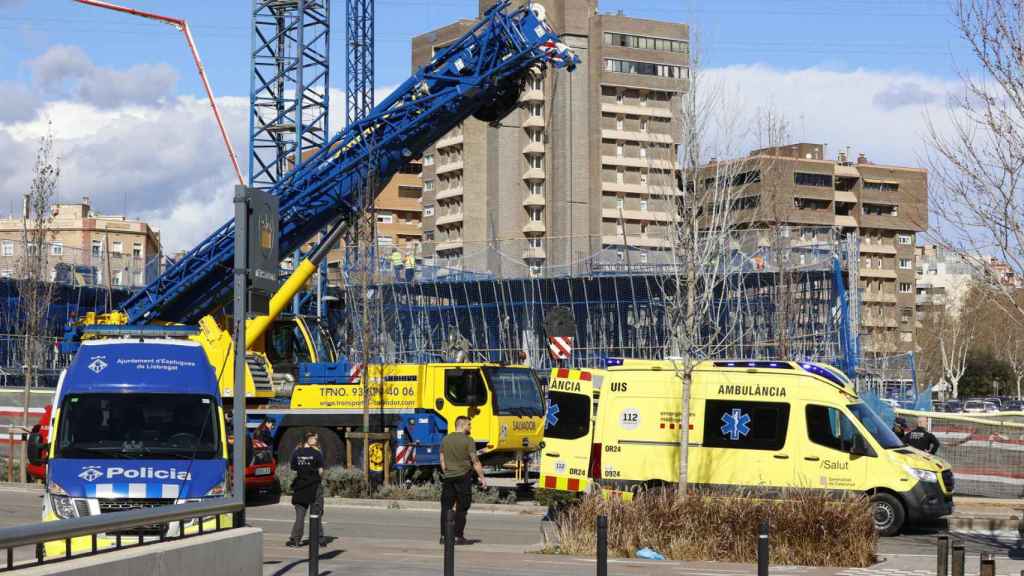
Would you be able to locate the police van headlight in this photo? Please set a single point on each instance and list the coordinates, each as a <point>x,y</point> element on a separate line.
<point>922,475</point>
<point>61,504</point>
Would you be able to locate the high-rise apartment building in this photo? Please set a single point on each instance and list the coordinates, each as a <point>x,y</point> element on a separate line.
<point>798,188</point>
<point>582,169</point>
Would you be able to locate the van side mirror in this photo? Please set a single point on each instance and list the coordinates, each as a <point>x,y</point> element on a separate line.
<point>860,447</point>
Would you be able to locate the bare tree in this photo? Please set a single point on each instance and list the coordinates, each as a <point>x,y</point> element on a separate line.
<point>978,166</point>
<point>35,288</point>
<point>701,236</point>
<point>954,338</point>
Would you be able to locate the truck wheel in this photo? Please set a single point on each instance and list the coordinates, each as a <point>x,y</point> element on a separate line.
<point>330,445</point>
<point>888,514</point>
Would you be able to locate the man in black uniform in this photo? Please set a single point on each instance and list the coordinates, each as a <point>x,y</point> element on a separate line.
<point>921,438</point>
<point>899,428</point>
<point>307,493</point>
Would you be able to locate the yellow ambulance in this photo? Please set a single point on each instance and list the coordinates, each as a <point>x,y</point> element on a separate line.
<point>756,427</point>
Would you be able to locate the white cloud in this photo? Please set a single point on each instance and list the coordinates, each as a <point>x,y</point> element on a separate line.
<point>879,113</point>
<point>68,71</point>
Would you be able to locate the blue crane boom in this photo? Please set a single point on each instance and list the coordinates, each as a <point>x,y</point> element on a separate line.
<point>480,74</point>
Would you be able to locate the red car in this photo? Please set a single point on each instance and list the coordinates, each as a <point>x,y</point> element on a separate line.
<point>38,447</point>
<point>260,473</point>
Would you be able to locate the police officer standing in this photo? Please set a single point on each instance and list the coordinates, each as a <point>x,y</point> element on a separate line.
<point>458,462</point>
<point>307,493</point>
<point>921,438</point>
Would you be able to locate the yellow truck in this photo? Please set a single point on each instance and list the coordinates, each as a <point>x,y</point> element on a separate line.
<point>756,427</point>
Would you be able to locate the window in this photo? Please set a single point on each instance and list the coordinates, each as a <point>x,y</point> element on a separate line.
<point>620,175</point>
<point>537,188</point>
<point>905,264</point>
<point>428,210</point>
<point>464,387</point>
<point>643,151</point>
<point>829,427</point>
<point>643,99</point>
<point>117,247</point>
<point>645,42</point>
<point>536,83</point>
<point>643,124</point>
<point>619,123</point>
<point>880,209</point>
<point>137,250</point>
<point>428,159</point>
<point>643,205</point>
<point>536,242</point>
<point>643,229</point>
<point>881,186</point>
<point>573,414</point>
<point>536,136</point>
<point>643,257</point>
<point>536,109</point>
<point>428,185</point>
<point>618,229</point>
<point>384,218</point>
<point>618,96</point>
<point>644,69</point>
<point>906,288</point>
<point>7,247</point>
<point>905,239</point>
<point>620,256</point>
<point>535,161</point>
<point>140,278</point>
<point>56,249</point>
<point>620,202</point>
<point>619,149</point>
<point>428,235</point>
<point>97,247</point>
<point>808,179</point>
<point>535,215</point>
<point>906,315</point>
<point>119,278</point>
<point>745,425</point>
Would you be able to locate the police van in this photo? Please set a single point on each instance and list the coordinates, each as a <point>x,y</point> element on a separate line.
<point>755,427</point>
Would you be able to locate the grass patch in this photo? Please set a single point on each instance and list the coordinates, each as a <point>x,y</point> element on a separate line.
<point>806,529</point>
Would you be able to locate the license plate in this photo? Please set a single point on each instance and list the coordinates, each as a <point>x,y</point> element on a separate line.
<point>263,471</point>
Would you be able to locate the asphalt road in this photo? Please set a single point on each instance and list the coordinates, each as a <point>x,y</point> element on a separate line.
<point>385,542</point>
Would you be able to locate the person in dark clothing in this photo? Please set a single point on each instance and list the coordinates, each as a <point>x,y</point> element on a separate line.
<point>899,428</point>
<point>458,462</point>
<point>265,432</point>
<point>307,492</point>
<point>922,439</point>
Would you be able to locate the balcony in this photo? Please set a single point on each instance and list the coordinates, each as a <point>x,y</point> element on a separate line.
<point>533,122</point>
<point>866,248</point>
<point>449,141</point>
<point>656,111</point>
<point>448,167</point>
<point>637,162</point>
<point>635,241</point>
<point>534,200</point>
<point>532,95</point>
<point>449,193</point>
<point>609,134</point>
<point>448,245</point>
<point>881,297</point>
<point>533,253</point>
<point>534,174</point>
<point>846,221</point>
<point>642,215</point>
<point>534,148</point>
<point>877,273</point>
<point>448,219</point>
<point>534,227</point>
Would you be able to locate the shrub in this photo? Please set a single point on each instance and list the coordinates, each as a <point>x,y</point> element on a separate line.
<point>555,498</point>
<point>285,477</point>
<point>806,529</point>
<point>342,482</point>
<point>426,492</point>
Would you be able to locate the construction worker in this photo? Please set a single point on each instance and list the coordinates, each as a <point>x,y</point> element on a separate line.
<point>410,267</point>
<point>458,462</point>
<point>307,491</point>
<point>396,263</point>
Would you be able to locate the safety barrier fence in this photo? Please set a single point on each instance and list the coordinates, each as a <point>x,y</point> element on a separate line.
<point>109,532</point>
<point>985,451</point>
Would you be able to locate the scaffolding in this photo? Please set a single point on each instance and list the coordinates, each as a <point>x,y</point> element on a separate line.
<point>620,309</point>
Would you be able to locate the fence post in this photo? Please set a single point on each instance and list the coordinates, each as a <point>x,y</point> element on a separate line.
<point>762,549</point>
<point>449,543</point>
<point>314,543</point>
<point>602,545</point>
<point>942,556</point>
<point>988,564</point>
<point>958,558</point>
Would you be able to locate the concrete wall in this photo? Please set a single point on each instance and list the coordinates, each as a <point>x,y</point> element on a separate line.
<point>228,553</point>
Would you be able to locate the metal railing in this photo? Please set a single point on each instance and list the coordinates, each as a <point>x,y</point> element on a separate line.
<point>122,522</point>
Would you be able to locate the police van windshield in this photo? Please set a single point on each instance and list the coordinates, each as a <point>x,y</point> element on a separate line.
<point>875,426</point>
<point>155,426</point>
<point>516,391</point>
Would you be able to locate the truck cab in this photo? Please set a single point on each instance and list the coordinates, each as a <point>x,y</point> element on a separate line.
<point>136,424</point>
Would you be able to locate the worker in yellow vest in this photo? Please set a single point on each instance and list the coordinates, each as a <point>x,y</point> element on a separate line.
<point>396,263</point>
<point>410,267</point>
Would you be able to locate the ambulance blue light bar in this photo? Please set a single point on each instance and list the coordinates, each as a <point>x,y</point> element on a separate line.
<point>778,365</point>
<point>824,373</point>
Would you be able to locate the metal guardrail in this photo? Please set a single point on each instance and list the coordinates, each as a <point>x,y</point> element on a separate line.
<point>38,534</point>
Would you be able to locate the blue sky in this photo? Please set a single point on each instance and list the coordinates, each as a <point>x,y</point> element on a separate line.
<point>912,35</point>
<point>136,136</point>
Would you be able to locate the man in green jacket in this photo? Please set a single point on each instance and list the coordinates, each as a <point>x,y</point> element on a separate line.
<point>458,462</point>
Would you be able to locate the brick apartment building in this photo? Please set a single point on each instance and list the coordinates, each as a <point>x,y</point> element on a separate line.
<point>588,157</point>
